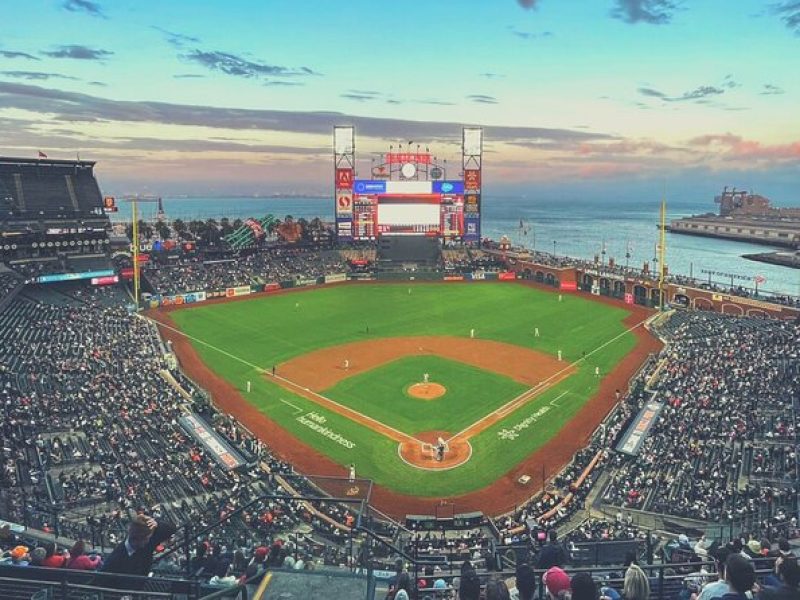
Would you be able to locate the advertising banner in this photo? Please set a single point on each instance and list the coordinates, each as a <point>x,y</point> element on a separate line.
<point>344,179</point>
<point>107,280</point>
<point>242,290</point>
<point>333,278</point>
<point>628,298</point>
<point>490,276</point>
<point>478,275</point>
<point>74,276</point>
<point>507,276</point>
<point>568,286</point>
<point>344,228</point>
<point>472,179</point>
<point>110,204</point>
<point>126,273</point>
<point>472,227</point>
<point>454,278</point>
<point>222,452</point>
<point>637,432</point>
<point>305,282</point>
<point>448,187</point>
<point>271,287</point>
<point>394,158</point>
<point>369,187</point>
<point>344,202</point>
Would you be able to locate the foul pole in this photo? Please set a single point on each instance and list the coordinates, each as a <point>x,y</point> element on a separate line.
<point>662,252</point>
<point>135,243</point>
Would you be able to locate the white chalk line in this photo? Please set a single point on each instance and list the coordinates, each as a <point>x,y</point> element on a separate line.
<point>345,409</point>
<point>522,398</point>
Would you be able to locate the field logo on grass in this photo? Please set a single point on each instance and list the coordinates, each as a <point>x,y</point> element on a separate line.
<point>513,432</point>
<point>316,422</point>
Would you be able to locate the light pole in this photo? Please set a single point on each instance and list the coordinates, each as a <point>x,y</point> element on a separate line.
<point>554,248</point>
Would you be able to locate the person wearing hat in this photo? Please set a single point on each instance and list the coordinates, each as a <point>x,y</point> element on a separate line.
<point>557,583</point>
<point>37,557</point>
<point>20,556</point>
<point>134,556</point>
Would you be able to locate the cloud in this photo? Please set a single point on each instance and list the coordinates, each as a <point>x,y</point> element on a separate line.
<point>283,83</point>
<point>771,90</point>
<point>654,12</point>
<point>358,97</point>
<point>730,83</point>
<point>491,75</point>
<point>188,76</point>
<point>735,147</point>
<point>528,4</point>
<point>646,91</point>
<point>698,95</point>
<point>231,64</point>
<point>36,76</point>
<point>704,91</point>
<point>482,99</point>
<point>98,83</point>
<point>179,40</point>
<point>529,35</point>
<point>789,13</point>
<point>75,107</point>
<point>78,52</point>
<point>10,54</point>
<point>85,6</point>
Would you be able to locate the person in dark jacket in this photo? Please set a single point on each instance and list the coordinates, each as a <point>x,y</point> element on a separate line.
<point>741,576</point>
<point>552,555</point>
<point>789,574</point>
<point>134,556</point>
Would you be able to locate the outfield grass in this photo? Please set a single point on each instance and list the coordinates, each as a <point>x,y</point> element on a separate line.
<point>380,394</point>
<point>268,330</point>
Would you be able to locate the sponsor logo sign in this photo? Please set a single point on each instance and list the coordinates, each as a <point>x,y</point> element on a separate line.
<point>344,202</point>
<point>74,276</point>
<point>471,203</point>
<point>271,287</point>
<point>316,422</point>
<point>335,277</point>
<point>513,432</point>
<point>448,187</point>
<point>479,275</point>
<point>507,276</point>
<point>110,204</point>
<point>569,286</point>
<point>107,280</point>
<point>344,178</point>
<point>472,179</point>
<point>242,290</point>
<point>454,278</point>
<point>628,298</point>
<point>305,282</point>
<point>212,442</point>
<point>369,187</point>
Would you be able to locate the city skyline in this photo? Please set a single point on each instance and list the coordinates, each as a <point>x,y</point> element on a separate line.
<point>241,98</point>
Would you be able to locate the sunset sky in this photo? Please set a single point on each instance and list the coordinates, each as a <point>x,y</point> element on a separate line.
<point>240,97</point>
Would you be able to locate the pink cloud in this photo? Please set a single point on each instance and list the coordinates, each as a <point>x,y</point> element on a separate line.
<point>735,147</point>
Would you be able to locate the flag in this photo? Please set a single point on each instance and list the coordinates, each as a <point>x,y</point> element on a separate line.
<point>42,154</point>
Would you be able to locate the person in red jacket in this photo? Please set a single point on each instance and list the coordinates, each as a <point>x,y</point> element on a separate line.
<point>53,559</point>
<point>79,560</point>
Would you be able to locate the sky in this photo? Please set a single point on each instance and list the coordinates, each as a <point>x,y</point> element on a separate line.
<point>240,97</point>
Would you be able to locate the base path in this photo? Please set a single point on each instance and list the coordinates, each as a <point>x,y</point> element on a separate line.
<point>503,495</point>
<point>324,368</point>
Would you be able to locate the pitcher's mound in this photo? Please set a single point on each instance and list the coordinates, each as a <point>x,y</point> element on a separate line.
<point>426,391</point>
<point>412,452</point>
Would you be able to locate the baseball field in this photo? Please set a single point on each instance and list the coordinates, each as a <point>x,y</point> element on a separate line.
<point>377,375</point>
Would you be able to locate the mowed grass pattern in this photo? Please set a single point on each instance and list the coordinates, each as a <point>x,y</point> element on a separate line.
<point>270,329</point>
<point>471,394</point>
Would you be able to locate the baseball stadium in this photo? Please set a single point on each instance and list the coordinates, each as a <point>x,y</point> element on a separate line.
<point>386,403</point>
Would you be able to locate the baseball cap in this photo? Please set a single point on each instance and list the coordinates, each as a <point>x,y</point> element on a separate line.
<point>556,581</point>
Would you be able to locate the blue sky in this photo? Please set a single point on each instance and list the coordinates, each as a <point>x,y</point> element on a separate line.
<point>208,97</point>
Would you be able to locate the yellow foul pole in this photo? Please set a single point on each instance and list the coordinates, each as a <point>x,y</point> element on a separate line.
<point>662,253</point>
<point>135,242</point>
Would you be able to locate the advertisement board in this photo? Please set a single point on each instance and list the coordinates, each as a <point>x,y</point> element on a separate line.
<point>628,298</point>
<point>344,202</point>
<point>569,286</point>
<point>472,227</point>
<point>333,278</point>
<point>448,187</point>
<point>107,280</point>
<point>369,187</point>
<point>74,276</point>
<point>242,290</point>
<point>472,179</point>
<point>272,287</point>
<point>222,452</point>
<point>344,179</point>
<point>344,228</point>
<point>110,204</point>
<point>507,276</point>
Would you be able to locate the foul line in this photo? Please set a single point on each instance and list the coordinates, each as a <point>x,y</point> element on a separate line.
<point>297,409</point>
<point>301,390</point>
<point>542,386</point>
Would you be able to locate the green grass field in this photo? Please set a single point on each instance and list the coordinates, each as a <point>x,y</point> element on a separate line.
<point>380,394</point>
<point>268,330</point>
